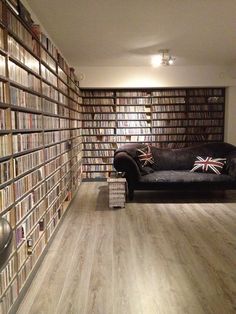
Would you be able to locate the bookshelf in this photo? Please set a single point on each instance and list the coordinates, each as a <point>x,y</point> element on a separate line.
<point>166,118</point>
<point>40,144</point>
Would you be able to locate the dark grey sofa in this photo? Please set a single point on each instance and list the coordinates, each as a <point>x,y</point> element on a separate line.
<point>172,168</point>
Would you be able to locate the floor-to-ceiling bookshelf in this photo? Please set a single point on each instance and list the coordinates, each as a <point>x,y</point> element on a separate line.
<point>40,144</point>
<point>166,118</point>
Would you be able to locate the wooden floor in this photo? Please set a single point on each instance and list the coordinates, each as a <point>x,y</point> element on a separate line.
<point>164,253</point>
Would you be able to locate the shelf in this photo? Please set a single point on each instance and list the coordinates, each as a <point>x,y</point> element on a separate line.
<point>45,162</point>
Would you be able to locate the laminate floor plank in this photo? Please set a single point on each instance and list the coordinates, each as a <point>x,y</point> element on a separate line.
<point>161,254</point>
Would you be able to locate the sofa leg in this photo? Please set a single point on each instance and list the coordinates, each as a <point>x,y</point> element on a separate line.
<point>131,195</point>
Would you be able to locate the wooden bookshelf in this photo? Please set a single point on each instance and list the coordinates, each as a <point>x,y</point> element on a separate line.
<point>167,118</point>
<point>40,145</point>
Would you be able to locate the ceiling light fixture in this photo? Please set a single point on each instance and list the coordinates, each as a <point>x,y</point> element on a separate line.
<point>163,58</point>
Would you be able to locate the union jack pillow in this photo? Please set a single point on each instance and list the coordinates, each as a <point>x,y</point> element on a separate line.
<point>209,164</point>
<point>145,156</point>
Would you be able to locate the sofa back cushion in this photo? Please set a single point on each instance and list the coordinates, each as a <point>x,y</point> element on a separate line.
<point>184,158</point>
<point>181,158</point>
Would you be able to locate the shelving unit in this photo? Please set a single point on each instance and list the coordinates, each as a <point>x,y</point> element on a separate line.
<point>167,118</point>
<point>40,145</point>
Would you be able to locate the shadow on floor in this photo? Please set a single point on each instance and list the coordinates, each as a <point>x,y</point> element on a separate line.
<point>169,197</point>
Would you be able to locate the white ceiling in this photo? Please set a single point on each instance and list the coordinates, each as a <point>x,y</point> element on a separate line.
<point>129,32</point>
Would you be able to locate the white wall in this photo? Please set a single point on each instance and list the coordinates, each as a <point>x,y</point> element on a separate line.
<point>230,115</point>
<point>172,76</point>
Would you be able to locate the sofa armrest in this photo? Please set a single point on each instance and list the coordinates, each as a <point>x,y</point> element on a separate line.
<point>232,167</point>
<point>125,163</point>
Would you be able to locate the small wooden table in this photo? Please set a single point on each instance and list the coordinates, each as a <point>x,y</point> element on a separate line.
<point>117,192</point>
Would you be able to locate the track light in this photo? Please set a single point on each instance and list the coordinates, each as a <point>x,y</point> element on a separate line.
<point>163,58</point>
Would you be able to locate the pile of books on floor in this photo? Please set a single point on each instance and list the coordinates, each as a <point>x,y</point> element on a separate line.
<point>117,191</point>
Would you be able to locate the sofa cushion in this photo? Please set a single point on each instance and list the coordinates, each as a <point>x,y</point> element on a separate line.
<point>209,164</point>
<point>144,156</point>
<point>172,176</point>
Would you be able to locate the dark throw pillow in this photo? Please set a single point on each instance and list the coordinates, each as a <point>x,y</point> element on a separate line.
<point>145,156</point>
<point>145,159</point>
<point>208,164</point>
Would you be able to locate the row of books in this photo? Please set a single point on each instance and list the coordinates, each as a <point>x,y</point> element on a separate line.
<point>49,91</point>
<point>64,88</point>
<point>99,124</point>
<point>2,41</point>
<point>53,151</point>
<point>27,162</point>
<point>94,109</point>
<point>24,99</point>
<point>212,100</point>
<point>9,297</point>
<point>188,115</point>
<point>203,107</point>
<point>98,146</point>
<point>169,93</point>
<point>5,148</point>
<point>53,180</point>
<point>74,114</point>
<point>73,95</point>
<point>98,101</point>
<point>4,121</point>
<point>99,116</point>
<point>185,123</point>
<point>203,100</point>
<point>26,205</point>
<point>7,274</point>
<point>97,174</point>
<point>52,196</point>
<point>25,184</point>
<point>130,131</point>
<point>133,116</point>
<point>98,131</point>
<point>133,101</point>
<point>206,92</point>
<point>48,75</point>
<point>26,141</point>
<point>188,137</point>
<point>112,138</point>
<point>5,171</point>
<point>97,160</point>
<point>99,153</point>
<point>22,77</point>
<point>168,101</point>
<point>133,124</point>
<point>31,221</point>
<point>46,58</point>
<point>6,197</point>
<point>168,108</point>
<point>132,93</point>
<point>52,166</point>
<point>87,93</point>
<point>133,109</point>
<point>98,168</point>
<point>23,120</point>
<point>56,136</point>
<point>22,33</point>
<point>17,51</point>
<point>62,75</point>
<point>2,65</point>
<point>48,45</point>
<point>75,124</point>
<point>3,90</point>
